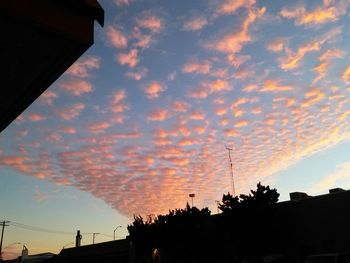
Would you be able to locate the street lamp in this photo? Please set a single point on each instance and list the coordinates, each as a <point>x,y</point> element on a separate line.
<point>192,196</point>
<point>114,231</point>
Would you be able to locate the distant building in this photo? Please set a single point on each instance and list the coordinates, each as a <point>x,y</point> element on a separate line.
<point>114,251</point>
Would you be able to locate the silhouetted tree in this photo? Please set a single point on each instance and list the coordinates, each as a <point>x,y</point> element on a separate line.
<point>262,197</point>
<point>176,228</point>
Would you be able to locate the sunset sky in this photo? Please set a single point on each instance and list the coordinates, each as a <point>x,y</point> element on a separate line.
<point>143,117</point>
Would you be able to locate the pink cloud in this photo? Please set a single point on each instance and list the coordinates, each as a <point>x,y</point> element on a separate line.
<point>277,45</point>
<point>197,67</point>
<point>70,112</point>
<point>196,115</point>
<point>121,2</point>
<point>69,130</point>
<point>36,117</point>
<point>117,104</point>
<point>137,75</point>
<point>130,59</point>
<point>180,106</point>
<point>150,22</point>
<point>117,38</point>
<point>82,67</point>
<point>153,90</point>
<point>76,87</point>
<point>99,127</point>
<point>195,23</point>
<point>48,97</point>
<point>158,115</point>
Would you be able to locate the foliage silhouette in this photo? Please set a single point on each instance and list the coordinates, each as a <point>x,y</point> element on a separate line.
<point>179,226</point>
<point>262,197</point>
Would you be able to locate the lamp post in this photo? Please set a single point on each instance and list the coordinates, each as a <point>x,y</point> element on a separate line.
<point>192,196</point>
<point>114,231</point>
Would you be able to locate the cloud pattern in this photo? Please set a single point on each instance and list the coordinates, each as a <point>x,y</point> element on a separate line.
<point>117,126</point>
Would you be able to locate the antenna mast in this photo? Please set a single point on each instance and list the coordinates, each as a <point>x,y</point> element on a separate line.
<point>231,169</point>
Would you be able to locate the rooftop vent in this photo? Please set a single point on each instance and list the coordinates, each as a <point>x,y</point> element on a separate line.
<point>336,190</point>
<point>297,196</point>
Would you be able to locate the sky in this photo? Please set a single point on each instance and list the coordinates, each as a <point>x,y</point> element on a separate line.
<point>144,117</point>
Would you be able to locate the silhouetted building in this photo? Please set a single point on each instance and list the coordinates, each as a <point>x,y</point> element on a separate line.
<point>114,251</point>
<point>288,231</point>
<point>40,39</point>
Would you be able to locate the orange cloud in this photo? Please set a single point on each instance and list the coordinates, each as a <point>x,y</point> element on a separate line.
<point>180,106</point>
<point>320,15</point>
<point>277,45</point>
<point>231,6</point>
<point>234,42</point>
<point>131,59</point>
<point>312,97</point>
<point>153,90</point>
<point>197,67</point>
<point>196,115</point>
<point>116,37</point>
<point>274,86</point>
<point>220,111</point>
<point>231,133</point>
<point>250,88</point>
<point>241,123</point>
<point>346,75</point>
<point>323,66</point>
<point>195,23</point>
<point>70,112</point>
<point>218,85</point>
<point>158,115</point>
<point>293,59</point>
<point>82,67</point>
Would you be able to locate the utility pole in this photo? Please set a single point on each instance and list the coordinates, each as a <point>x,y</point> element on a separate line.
<point>231,170</point>
<point>4,223</point>
<point>93,237</point>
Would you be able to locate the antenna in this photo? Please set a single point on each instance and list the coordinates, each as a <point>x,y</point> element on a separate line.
<point>231,169</point>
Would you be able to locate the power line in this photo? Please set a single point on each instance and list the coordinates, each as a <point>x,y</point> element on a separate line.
<point>51,231</point>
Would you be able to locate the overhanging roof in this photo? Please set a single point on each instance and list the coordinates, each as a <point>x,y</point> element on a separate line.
<point>40,40</point>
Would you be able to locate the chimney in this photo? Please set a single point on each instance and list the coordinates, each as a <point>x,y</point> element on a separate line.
<point>336,190</point>
<point>78,239</point>
<point>297,196</point>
